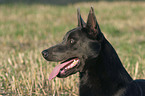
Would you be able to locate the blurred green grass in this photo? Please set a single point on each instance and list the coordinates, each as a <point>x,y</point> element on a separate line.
<point>25,30</point>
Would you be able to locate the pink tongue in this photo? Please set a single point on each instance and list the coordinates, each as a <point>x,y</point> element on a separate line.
<point>56,70</point>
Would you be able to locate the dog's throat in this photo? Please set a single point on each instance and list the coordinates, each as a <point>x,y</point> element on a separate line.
<point>63,67</point>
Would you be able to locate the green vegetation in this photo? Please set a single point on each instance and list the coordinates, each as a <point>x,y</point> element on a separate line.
<point>25,30</point>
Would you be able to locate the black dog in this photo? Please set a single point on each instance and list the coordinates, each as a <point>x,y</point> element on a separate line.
<point>85,50</point>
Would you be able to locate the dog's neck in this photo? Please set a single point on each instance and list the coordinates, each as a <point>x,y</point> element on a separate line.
<point>105,75</point>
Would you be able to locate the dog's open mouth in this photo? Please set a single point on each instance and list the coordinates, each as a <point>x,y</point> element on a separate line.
<point>64,67</point>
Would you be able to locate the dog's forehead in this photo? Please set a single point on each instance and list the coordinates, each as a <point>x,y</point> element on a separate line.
<point>73,31</point>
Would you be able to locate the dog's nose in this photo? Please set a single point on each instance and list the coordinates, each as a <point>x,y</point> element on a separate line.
<point>45,53</point>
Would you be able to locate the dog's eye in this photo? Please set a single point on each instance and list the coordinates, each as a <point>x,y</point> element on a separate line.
<point>72,41</point>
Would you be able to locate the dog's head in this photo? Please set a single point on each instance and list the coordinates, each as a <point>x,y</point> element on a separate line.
<point>78,46</point>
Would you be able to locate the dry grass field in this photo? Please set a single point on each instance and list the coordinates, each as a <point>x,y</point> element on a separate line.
<point>25,30</point>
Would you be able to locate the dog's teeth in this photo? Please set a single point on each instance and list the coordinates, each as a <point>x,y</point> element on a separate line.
<point>74,62</point>
<point>71,65</point>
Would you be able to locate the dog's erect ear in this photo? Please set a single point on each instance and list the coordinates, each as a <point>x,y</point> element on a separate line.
<point>81,22</point>
<point>92,24</point>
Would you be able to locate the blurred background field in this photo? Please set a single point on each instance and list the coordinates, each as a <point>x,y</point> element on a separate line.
<point>26,28</point>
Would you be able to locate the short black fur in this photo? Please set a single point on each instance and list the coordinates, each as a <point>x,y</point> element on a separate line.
<point>101,71</point>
